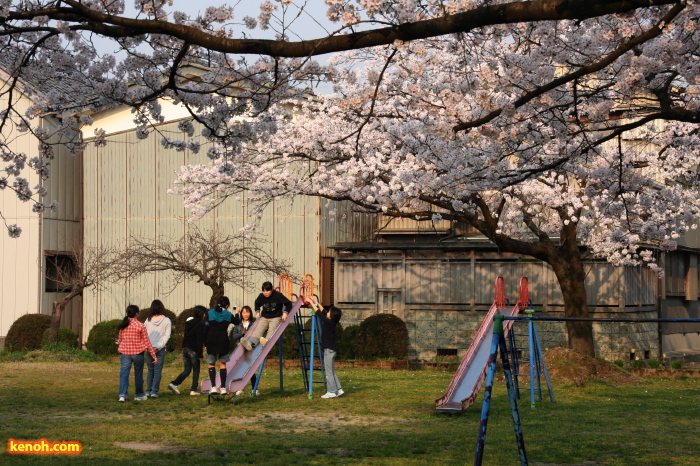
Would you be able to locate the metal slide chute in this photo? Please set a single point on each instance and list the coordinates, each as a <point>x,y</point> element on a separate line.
<point>470,375</point>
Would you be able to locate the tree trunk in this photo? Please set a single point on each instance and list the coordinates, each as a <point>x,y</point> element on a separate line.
<point>217,291</point>
<point>58,308</point>
<point>572,276</point>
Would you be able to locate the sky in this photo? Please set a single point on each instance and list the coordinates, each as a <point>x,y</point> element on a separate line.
<point>304,26</point>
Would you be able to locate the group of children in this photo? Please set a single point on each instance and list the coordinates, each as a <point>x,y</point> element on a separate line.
<point>210,329</point>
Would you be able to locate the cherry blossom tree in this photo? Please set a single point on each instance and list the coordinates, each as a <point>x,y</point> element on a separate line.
<point>546,124</point>
<point>560,141</point>
<point>48,53</point>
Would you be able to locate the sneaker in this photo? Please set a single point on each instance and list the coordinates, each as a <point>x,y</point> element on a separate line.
<point>255,393</point>
<point>245,344</point>
<point>339,392</point>
<point>222,390</point>
<point>239,393</point>
<point>140,398</point>
<point>263,341</point>
<point>214,391</point>
<point>329,395</point>
<point>194,393</point>
<point>154,395</point>
<point>173,388</point>
<point>122,399</point>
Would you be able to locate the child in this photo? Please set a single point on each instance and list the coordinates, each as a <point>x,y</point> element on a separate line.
<point>328,320</point>
<point>192,344</point>
<point>240,331</point>
<point>217,342</point>
<point>272,308</point>
<point>159,328</point>
<point>133,341</point>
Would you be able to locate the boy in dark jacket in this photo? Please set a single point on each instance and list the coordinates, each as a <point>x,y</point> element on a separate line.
<point>192,353</point>
<point>272,308</point>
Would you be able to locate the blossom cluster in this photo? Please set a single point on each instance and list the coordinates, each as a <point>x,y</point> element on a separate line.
<point>473,126</point>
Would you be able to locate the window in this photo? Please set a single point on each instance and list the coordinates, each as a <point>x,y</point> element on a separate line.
<point>60,268</point>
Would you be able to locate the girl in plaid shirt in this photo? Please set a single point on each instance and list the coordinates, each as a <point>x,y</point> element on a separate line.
<point>133,341</point>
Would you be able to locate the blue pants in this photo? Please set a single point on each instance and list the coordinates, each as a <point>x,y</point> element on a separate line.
<point>155,371</point>
<point>126,362</point>
<point>191,361</point>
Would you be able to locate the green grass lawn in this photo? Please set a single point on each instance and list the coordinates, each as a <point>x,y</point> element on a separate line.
<point>386,417</point>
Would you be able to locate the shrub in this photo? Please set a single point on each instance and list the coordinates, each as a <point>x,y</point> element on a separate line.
<point>66,336</point>
<point>146,313</point>
<point>638,363</point>
<point>27,331</point>
<point>381,336</point>
<point>290,349</point>
<point>345,343</point>
<point>653,363</point>
<point>102,338</point>
<point>619,362</point>
<point>677,364</point>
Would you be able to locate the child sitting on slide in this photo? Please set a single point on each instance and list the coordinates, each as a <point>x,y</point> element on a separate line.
<point>272,308</point>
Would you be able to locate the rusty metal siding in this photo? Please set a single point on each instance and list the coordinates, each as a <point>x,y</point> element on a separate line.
<point>395,225</point>
<point>340,224</point>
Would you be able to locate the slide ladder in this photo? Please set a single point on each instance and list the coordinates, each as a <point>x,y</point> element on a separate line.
<point>471,373</point>
<point>304,344</point>
<point>528,353</point>
<point>309,340</point>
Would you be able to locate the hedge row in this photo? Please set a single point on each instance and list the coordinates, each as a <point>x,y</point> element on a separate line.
<point>378,336</point>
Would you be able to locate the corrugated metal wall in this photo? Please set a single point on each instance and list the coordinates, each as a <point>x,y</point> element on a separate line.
<point>340,223</point>
<point>126,186</point>
<point>62,230</point>
<point>19,258</point>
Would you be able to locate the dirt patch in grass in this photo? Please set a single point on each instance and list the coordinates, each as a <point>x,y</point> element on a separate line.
<point>565,365</point>
<point>150,447</point>
<point>305,422</point>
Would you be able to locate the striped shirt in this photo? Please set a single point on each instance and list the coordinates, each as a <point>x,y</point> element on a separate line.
<point>134,339</point>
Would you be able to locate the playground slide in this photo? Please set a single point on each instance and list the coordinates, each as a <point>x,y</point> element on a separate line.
<point>471,373</point>
<point>243,364</point>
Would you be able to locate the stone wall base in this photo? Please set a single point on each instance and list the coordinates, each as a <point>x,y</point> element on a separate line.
<point>436,334</point>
